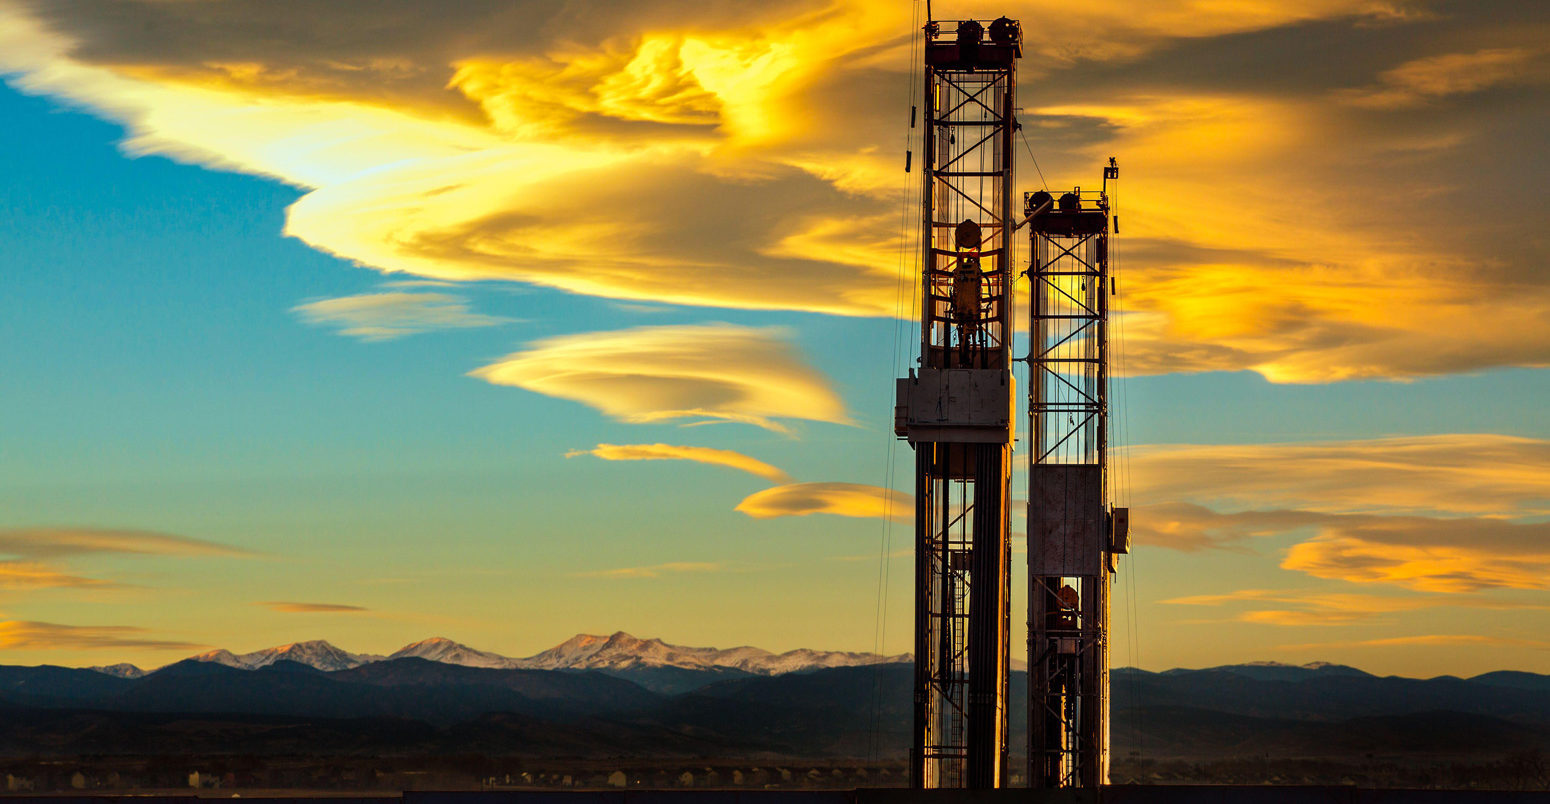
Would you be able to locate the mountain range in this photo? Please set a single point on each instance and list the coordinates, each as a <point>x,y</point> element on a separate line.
<point>417,706</point>
<point>652,663</point>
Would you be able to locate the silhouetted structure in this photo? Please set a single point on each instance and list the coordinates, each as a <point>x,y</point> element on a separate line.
<point>956,409</point>
<point>1073,533</point>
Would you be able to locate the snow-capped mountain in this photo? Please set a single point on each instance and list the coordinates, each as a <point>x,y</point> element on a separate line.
<point>122,670</point>
<point>441,649</point>
<point>316,653</point>
<point>619,651</point>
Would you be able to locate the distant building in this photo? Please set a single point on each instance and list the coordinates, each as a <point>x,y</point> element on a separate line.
<point>618,779</point>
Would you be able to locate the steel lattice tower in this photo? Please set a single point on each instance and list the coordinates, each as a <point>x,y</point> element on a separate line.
<point>1073,534</point>
<point>956,408</point>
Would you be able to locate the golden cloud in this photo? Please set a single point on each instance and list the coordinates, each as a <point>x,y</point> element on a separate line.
<point>1282,275</point>
<point>842,499</point>
<point>1434,77</point>
<point>311,608</point>
<point>671,452</point>
<point>712,372</point>
<point>1427,554</point>
<point>28,635</point>
<point>384,316</point>
<point>1455,474</point>
<point>749,156</point>
<point>29,575</point>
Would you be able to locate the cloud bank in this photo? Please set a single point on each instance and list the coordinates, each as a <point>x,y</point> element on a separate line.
<point>749,155</point>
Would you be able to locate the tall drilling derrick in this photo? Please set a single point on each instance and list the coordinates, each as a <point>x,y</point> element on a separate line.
<point>1073,534</point>
<point>956,408</point>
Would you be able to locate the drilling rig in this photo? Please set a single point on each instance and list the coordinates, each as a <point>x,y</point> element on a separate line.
<point>1073,532</point>
<point>956,409</point>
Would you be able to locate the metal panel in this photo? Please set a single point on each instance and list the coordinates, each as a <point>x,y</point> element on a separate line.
<point>1119,542</point>
<point>955,406</point>
<point>1066,533</point>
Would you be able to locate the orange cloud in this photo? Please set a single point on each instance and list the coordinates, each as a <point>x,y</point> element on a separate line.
<point>27,575</point>
<point>311,608</point>
<point>842,499</point>
<point>670,452</point>
<point>712,372</point>
<point>27,635</point>
<point>1428,554</point>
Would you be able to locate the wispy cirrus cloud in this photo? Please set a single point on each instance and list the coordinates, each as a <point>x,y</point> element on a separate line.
<point>1429,554</point>
<point>841,499</point>
<point>53,542</point>
<point>29,555</point>
<point>32,575</point>
<point>656,570</point>
<point>390,315</point>
<point>672,452</point>
<point>1435,77</point>
<point>31,635</point>
<point>708,372</point>
<point>290,607</point>
<point>1313,607</point>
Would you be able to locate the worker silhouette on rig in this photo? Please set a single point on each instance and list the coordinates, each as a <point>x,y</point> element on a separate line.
<point>968,281</point>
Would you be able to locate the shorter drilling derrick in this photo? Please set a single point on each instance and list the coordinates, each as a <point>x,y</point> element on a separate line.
<point>1073,533</point>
